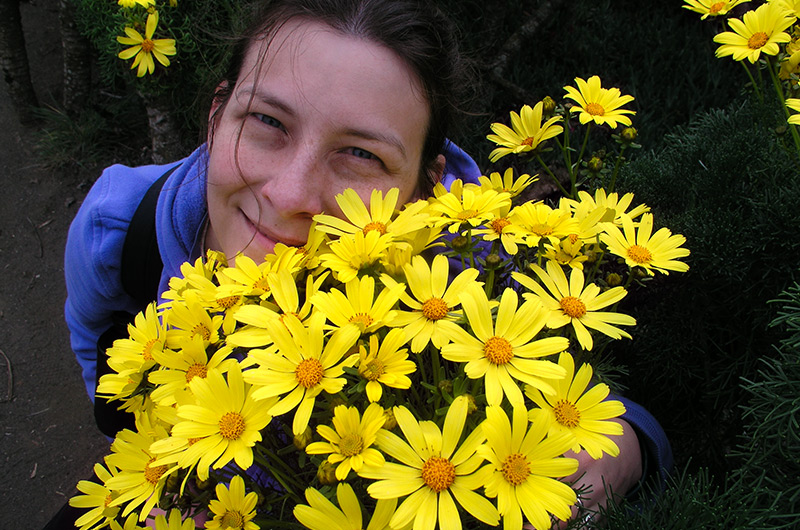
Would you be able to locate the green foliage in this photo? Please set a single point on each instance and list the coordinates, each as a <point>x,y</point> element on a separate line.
<point>725,183</point>
<point>200,28</point>
<point>658,52</point>
<point>695,501</point>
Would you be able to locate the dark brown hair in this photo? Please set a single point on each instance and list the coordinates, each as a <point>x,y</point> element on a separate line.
<point>420,35</point>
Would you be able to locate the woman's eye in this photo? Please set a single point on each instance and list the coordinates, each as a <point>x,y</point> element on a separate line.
<point>362,153</point>
<point>269,120</point>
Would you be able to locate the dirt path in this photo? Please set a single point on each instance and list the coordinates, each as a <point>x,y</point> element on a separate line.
<point>48,441</point>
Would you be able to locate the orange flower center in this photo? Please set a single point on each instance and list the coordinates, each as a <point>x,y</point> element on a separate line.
<point>261,284</point>
<point>196,370</point>
<point>434,309</point>
<point>438,473</point>
<point>153,474</point>
<point>466,214</point>
<point>309,373</point>
<point>515,469</point>
<point>573,238</point>
<point>202,330</point>
<point>373,370</point>
<point>227,302</point>
<point>573,307</point>
<point>233,520</point>
<point>363,320</point>
<point>147,351</point>
<point>107,501</point>
<point>640,254</point>
<point>375,225</point>
<point>567,414</point>
<point>148,45</point>
<point>716,7</point>
<point>231,425</point>
<point>527,141</point>
<point>498,224</point>
<point>498,350</point>
<point>351,445</point>
<point>595,109</point>
<point>542,229</point>
<point>757,40</point>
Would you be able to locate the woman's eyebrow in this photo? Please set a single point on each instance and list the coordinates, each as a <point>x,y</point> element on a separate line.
<point>266,98</point>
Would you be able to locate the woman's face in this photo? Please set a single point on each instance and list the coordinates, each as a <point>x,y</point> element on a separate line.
<point>326,112</point>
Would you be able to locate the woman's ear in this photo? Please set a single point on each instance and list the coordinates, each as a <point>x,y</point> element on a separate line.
<point>437,169</point>
<point>218,101</point>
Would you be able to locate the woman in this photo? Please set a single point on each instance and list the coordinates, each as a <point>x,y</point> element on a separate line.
<point>322,95</point>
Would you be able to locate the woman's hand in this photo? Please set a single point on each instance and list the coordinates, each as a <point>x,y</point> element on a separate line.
<point>608,475</point>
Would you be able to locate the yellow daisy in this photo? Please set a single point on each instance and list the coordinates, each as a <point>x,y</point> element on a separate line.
<point>233,509</point>
<point>502,349</point>
<point>432,470</point>
<point>432,301</point>
<point>226,419</point>
<point>300,366</point>
<point>180,367</point>
<point>147,335</point>
<point>642,248</point>
<point>130,524</point>
<point>385,365</point>
<point>189,319</point>
<point>134,3</point>
<point>349,442</point>
<point>143,49</point>
<point>583,414</point>
<point>501,227</point>
<point>566,252</point>
<point>792,7</point>
<point>526,133</point>
<point>612,206</point>
<point>507,183</point>
<point>251,277</point>
<point>759,31</point>
<point>573,303</point>
<point>353,253</point>
<point>538,220</point>
<point>524,466</point>
<point>713,8</point>
<point>597,104</point>
<point>378,218</point>
<point>174,521</point>
<point>358,308</point>
<point>140,479</point>
<point>794,104</point>
<point>463,205</point>
<point>97,498</point>
<point>322,514</point>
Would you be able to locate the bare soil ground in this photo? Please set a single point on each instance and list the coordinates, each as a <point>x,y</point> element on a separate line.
<point>48,440</point>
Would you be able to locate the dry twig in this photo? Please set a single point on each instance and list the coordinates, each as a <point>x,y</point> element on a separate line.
<point>10,377</point>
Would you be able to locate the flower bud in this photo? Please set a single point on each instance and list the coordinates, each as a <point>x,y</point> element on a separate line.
<point>460,243</point>
<point>548,106</point>
<point>173,483</point>
<point>390,422</point>
<point>202,484</point>
<point>471,405</point>
<point>300,441</point>
<point>595,164</point>
<point>446,385</point>
<point>493,260</point>
<point>613,279</point>
<point>326,473</point>
<point>629,134</point>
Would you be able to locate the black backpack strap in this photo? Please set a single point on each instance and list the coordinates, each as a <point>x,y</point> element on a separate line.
<point>141,265</point>
<point>140,272</point>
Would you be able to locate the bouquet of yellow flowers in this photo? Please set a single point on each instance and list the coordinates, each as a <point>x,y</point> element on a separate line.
<point>425,359</point>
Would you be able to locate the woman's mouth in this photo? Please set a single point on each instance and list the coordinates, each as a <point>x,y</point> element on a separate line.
<point>267,240</point>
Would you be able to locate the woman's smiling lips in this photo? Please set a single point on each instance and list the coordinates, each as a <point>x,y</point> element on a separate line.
<point>267,239</point>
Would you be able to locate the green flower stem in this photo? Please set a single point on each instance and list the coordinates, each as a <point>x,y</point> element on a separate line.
<point>555,179</point>
<point>573,171</point>
<point>489,287</point>
<point>779,90</point>
<point>756,86</point>
<point>266,458</point>
<point>616,168</point>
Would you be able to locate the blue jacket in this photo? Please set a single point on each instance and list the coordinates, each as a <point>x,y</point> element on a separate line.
<point>94,252</point>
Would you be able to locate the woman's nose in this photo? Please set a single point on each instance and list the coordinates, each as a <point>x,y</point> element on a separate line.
<point>296,185</point>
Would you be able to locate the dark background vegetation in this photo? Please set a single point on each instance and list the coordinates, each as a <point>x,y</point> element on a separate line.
<point>704,358</point>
